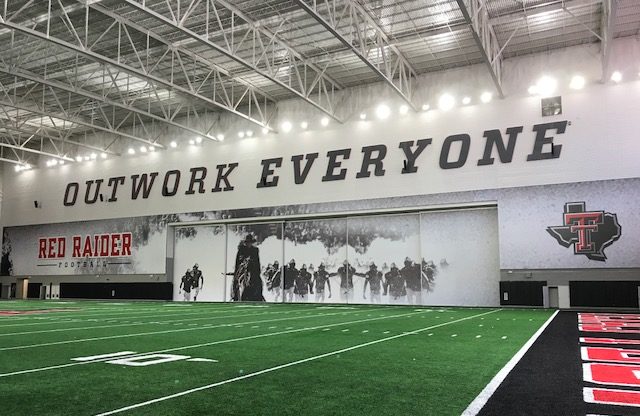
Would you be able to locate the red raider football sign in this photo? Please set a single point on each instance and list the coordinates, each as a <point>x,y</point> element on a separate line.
<point>114,246</point>
<point>101,245</point>
<point>88,251</point>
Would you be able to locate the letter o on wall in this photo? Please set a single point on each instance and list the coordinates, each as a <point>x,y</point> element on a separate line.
<point>465,141</point>
<point>176,182</point>
<point>71,187</point>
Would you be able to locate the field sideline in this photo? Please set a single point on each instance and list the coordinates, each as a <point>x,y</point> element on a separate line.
<point>144,358</point>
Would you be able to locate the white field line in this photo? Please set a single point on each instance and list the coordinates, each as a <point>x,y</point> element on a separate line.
<point>68,311</point>
<point>169,331</point>
<point>71,314</point>
<point>224,341</point>
<point>67,319</point>
<point>478,403</point>
<point>121,319</point>
<point>76,309</point>
<point>55,320</point>
<point>136,323</point>
<point>43,305</point>
<point>290,364</point>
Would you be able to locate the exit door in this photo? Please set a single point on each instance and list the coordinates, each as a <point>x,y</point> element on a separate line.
<point>554,299</point>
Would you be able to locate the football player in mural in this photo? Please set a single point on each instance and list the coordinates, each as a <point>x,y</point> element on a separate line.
<point>186,284</point>
<point>411,273</point>
<point>290,276</point>
<point>273,278</point>
<point>247,284</point>
<point>428,275</point>
<point>346,272</point>
<point>303,285</point>
<point>394,284</point>
<point>373,278</point>
<point>320,279</point>
<point>198,281</point>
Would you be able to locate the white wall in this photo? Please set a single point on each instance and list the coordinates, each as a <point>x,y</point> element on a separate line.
<point>526,213</point>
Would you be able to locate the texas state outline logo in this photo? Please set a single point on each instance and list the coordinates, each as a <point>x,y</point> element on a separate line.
<point>590,232</point>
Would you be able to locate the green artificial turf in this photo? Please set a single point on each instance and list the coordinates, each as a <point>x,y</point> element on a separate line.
<point>398,360</point>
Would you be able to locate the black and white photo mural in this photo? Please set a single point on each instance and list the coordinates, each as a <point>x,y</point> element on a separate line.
<point>460,257</point>
<point>428,258</point>
<point>383,260</point>
<point>199,268</point>
<point>315,250</point>
<point>254,258</point>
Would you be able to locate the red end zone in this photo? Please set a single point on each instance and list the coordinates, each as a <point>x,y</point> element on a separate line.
<point>591,340</point>
<point>611,364</point>
<point>609,396</point>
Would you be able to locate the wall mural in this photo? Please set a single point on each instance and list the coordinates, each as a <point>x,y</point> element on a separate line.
<point>410,259</point>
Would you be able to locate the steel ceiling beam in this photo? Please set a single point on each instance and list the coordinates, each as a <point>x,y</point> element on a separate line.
<point>533,10</point>
<point>95,99</point>
<point>33,106</point>
<point>15,162</point>
<point>366,39</point>
<point>267,54</point>
<point>35,151</point>
<point>174,45</point>
<point>34,143</point>
<point>44,133</point>
<point>609,11</point>
<point>476,16</point>
<point>145,67</point>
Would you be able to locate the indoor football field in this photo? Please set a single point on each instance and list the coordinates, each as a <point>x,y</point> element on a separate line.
<point>152,358</point>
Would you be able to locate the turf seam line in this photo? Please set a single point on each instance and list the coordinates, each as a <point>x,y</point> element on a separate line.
<point>290,364</point>
<point>481,399</point>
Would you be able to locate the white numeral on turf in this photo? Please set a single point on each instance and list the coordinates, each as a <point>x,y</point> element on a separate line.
<point>145,360</point>
<point>140,360</point>
<point>100,357</point>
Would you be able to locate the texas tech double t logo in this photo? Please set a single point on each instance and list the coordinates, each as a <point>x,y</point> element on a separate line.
<point>590,232</point>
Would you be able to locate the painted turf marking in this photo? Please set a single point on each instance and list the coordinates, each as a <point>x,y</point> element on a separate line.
<point>102,356</point>
<point>147,360</point>
<point>137,360</point>
<point>611,396</point>
<point>478,403</point>
<point>252,306</point>
<point>34,370</point>
<point>286,365</point>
